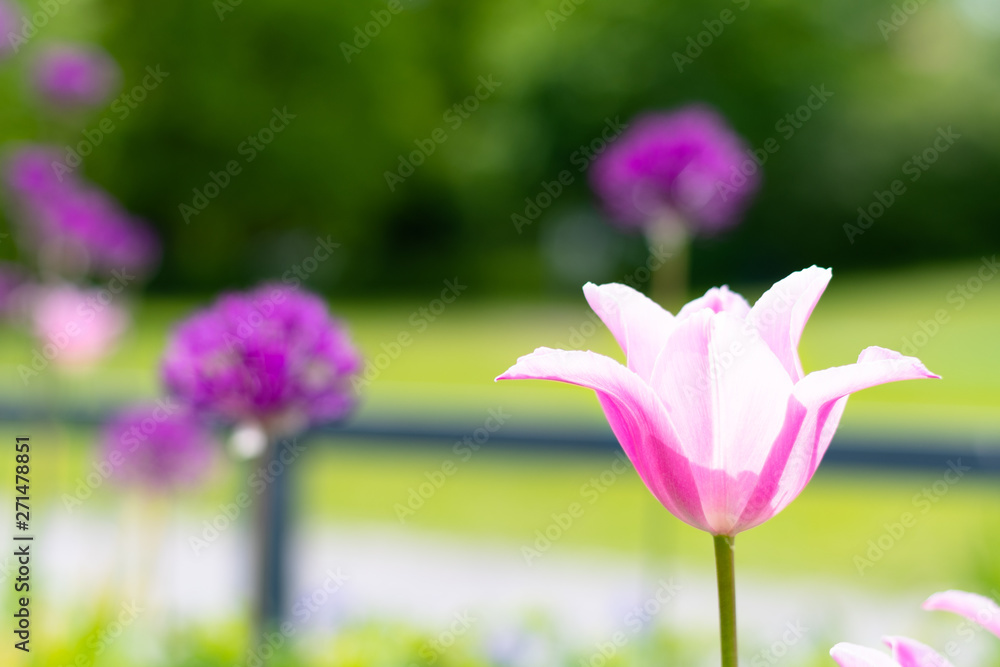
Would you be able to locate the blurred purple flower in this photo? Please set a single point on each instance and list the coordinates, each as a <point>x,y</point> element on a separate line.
<point>159,446</point>
<point>74,225</point>
<point>273,356</point>
<point>29,171</point>
<point>10,18</point>
<point>69,76</point>
<point>87,221</point>
<point>681,165</point>
<point>76,326</point>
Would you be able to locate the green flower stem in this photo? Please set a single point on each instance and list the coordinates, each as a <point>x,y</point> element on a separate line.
<point>725,570</point>
<point>669,246</point>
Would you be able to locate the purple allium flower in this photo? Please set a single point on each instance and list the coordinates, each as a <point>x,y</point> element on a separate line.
<point>29,171</point>
<point>68,76</point>
<point>10,18</point>
<point>684,164</point>
<point>160,445</point>
<point>89,221</point>
<point>73,224</point>
<point>273,356</point>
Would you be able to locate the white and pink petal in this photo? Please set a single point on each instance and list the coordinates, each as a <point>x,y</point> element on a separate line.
<point>977,608</point>
<point>781,314</point>
<point>639,325</point>
<point>852,655</point>
<point>637,418</point>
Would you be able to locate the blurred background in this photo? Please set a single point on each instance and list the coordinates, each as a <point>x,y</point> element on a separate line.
<point>393,157</point>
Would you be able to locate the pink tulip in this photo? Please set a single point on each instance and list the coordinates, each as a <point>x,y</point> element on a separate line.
<point>905,653</point>
<point>910,653</point>
<point>713,407</point>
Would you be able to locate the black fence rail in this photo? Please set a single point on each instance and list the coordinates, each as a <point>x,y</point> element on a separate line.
<point>845,451</point>
<point>983,457</point>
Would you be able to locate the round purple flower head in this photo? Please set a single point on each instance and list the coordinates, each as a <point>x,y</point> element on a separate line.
<point>159,445</point>
<point>29,171</point>
<point>681,165</point>
<point>10,17</point>
<point>72,224</point>
<point>73,77</point>
<point>273,356</point>
<point>88,221</point>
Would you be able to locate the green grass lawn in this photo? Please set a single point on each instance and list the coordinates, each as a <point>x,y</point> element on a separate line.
<point>446,374</point>
<point>448,367</point>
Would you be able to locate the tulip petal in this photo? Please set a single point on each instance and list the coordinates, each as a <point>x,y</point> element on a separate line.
<point>636,416</point>
<point>781,313</point>
<point>638,323</point>
<point>875,366</point>
<point>719,300</point>
<point>977,608</point>
<point>726,394</point>
<point>852,655</point>
<point>911,653</point>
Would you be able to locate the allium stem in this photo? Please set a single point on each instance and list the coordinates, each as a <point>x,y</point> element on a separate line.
<point>668,246</point>
<point>272,529</point>
<point>725,570</point>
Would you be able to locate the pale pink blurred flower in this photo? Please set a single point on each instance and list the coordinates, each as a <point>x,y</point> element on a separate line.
<point>905,653</point>
<point>910,653</point>
<point>713,408</point>
<point>76,326</point>
<point>977,608</point>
